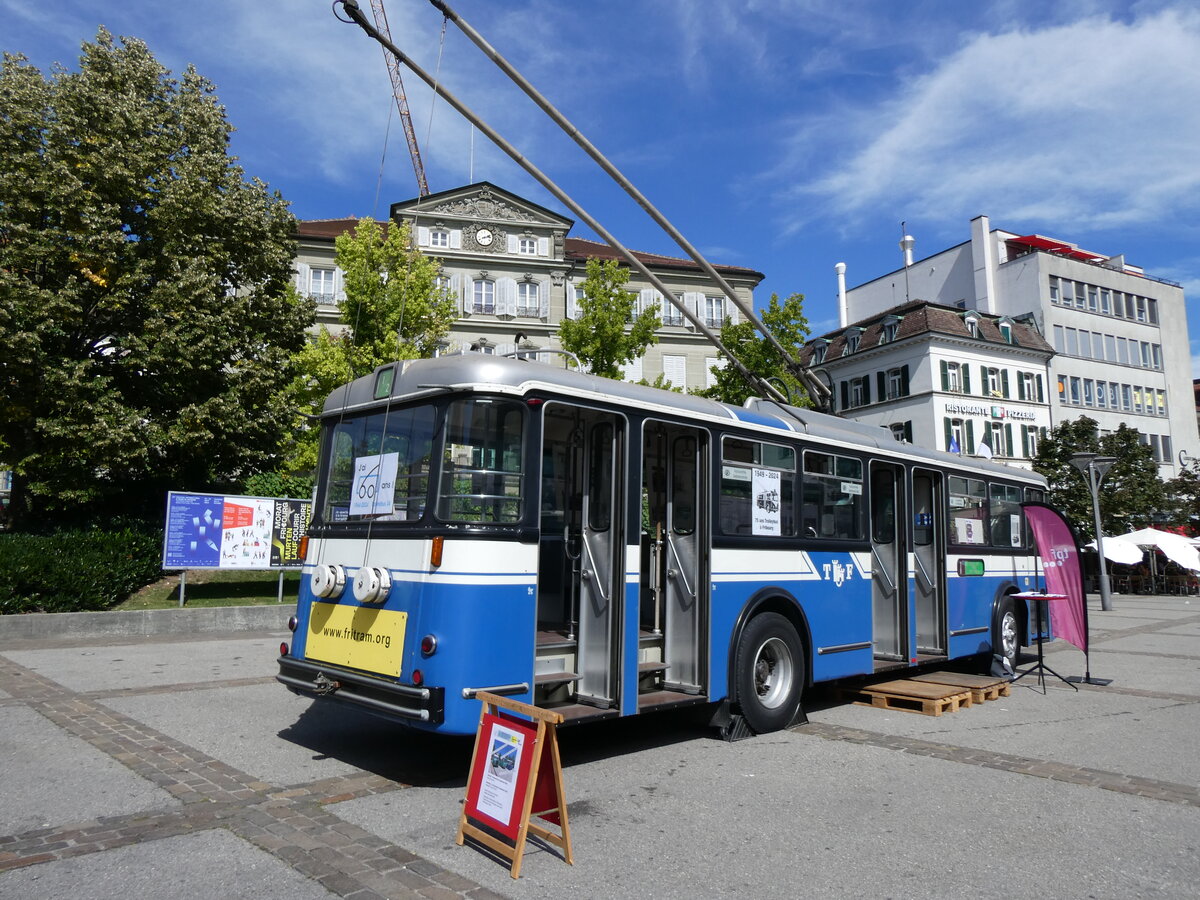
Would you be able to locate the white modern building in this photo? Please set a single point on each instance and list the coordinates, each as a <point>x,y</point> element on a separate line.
<point>942,377</point>
<point>1120,335</point>
<point>515,274</point>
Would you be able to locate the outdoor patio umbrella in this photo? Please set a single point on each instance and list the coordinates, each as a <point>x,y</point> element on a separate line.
<point>1120,550</point>
<point>1175,547</point>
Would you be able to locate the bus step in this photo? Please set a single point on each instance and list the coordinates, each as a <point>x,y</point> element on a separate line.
<point>982,687</point>
<point>911,696</point>
<point>652,667</point>
<point>575,713</point>
<point>554,677</point>
<point>668,700</point>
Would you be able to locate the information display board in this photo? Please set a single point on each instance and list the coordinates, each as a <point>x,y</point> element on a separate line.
<point>218,531</point>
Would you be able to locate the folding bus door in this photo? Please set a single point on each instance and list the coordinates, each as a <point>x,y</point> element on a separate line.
<point>929,562</point>
<point>889,576</point>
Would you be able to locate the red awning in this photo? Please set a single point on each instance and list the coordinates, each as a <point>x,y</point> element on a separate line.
<point>1037,242</point>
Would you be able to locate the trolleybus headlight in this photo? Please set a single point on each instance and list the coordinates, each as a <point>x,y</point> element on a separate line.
<point>418,677</point>
<point>292,623</point>
<point>283,649</point>
<point>328,580</point>
<point>428,645</point>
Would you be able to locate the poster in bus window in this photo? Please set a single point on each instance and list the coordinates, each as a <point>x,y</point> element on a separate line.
<point>764,486</point>
<point>246,533</point>
<point>968,531</point>
<point>374,487</point>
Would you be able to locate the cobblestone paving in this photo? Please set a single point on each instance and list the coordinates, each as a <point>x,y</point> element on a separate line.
<point>293,824</point>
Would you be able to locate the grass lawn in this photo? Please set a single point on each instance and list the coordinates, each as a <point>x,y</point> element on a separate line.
<point>216,587</point>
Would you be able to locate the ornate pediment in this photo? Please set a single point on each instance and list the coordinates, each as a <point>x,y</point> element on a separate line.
<point>482,202</point>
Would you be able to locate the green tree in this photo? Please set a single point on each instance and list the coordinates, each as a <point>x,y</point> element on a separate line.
<point>146,313</point>
<point>787,323</point>
<point>1183,497</point>
<point>607,334</point>
<point>395,308</point>
<point>1132,493</point>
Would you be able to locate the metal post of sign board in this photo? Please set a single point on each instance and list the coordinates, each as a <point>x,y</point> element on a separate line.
<point>279,599</point>
<point>182,586</point>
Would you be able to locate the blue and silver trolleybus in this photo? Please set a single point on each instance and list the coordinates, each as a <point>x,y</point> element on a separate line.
<point>607,549</point>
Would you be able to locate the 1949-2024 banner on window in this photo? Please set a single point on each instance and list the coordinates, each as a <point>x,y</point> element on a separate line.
<point>217,531</point>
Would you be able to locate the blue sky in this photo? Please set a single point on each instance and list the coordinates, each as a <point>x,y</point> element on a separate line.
<point>784,135</point>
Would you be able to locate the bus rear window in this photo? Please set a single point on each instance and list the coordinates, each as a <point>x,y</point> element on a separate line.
<point>482,457</point>
<point>379,466</point>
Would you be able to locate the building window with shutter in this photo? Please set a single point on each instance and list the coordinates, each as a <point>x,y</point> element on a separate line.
<point>860,391</point>
<point>714,311</point>
<point>483,296</point>
<point>320,284</point>
<point>952,381</point>
<point>439,237</point>
<point>675,370</point>
<point>527,246</point>
<point>897,382</point>
<point>529,301</point>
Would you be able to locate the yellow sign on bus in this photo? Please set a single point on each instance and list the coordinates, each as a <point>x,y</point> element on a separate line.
<point>360,637</point>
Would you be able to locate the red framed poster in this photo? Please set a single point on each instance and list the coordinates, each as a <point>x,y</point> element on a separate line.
<point>499,782</point>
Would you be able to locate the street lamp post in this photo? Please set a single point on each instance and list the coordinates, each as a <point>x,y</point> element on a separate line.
<point>1093,468</point>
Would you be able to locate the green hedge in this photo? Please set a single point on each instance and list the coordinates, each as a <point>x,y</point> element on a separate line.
<point>70,571</point>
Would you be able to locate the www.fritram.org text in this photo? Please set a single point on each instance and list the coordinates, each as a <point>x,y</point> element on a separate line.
<point>362,637</point>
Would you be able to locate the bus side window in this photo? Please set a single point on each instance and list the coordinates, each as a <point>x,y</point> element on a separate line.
<point>833,505</point>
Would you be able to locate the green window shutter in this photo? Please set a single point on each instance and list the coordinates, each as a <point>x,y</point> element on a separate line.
<point>866,383</point>
<point>945,376</point>
<point>908,431</point>
<point>1008,439</point>
<point>949,433</point>
<point>983,381</point>
<point>970,436</point>
<point>1004,383</point>
<point>881,383</point>
<point>966,378</point>
<point>904,382</point>
<point>1025,441</point>
<point>1021,388</point>
<point>845,395</point>
<point>1041,394</point>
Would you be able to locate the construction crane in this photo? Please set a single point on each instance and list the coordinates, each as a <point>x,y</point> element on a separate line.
<point>393,67</point>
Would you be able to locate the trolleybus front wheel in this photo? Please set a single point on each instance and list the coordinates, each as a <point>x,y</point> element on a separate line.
<point>769,672</point>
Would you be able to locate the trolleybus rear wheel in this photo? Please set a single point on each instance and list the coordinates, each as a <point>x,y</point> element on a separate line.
<point>1008,641</point>
<point>769,672</point>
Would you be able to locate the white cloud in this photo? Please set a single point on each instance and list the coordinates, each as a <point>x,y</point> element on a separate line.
<point>1093,122</point>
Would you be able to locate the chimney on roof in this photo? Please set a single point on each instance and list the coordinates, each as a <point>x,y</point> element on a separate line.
<point>843,313</point>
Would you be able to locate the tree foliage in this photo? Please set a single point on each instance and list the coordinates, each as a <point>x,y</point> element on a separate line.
<point>607,334</point>
<point>1131,495</point>
<point>395,308</point>
<point>145,305</point>
<point>786,321</point>
<point>1183,498</point>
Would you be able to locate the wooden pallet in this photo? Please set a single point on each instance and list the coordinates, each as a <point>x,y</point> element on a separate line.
<point>911,696</point>
<point>982,687</point>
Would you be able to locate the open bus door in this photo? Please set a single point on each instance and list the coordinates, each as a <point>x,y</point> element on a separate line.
<point>581,571</point>
<point>929,562</point>
<point>889,571</point>
<point>674,584</point>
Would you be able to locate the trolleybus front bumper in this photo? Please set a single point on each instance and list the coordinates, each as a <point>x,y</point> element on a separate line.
<point>420,704</point>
